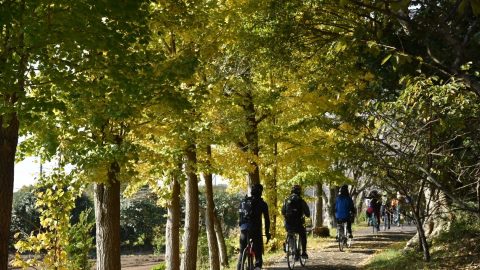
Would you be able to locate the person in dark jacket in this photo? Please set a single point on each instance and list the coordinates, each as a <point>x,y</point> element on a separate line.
<point>345,209</point>
<point>295,223</point>
<point>375,204</point>
<point>253,228</point>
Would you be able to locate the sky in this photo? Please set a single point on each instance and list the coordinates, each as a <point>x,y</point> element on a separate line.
<point>26,172</point>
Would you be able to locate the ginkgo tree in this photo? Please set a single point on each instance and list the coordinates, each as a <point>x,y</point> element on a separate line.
<point>99,100</point>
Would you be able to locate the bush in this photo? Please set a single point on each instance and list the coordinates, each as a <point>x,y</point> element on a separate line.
<point>158,241</point>
<point>25,216</point>
<point>81,242</point>
<point>138,218</point>
<point>161,266</point>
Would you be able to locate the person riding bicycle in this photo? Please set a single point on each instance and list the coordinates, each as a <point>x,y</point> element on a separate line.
<point>294,210</point>
<point>374,206</point>
<point>345,209</point>
<point>386,211</point>
<point>251,225</point>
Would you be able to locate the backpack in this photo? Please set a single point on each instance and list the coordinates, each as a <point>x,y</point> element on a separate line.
<point>245,210</point>
<point>293,208</point>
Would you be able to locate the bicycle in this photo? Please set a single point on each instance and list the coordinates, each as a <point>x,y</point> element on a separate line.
<point>343,240</point>
<point>248,256</point>
<point>293,248</point>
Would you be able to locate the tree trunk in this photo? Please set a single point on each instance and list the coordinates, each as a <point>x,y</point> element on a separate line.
<point>9,128</point>
<point>209,219</point>
<point>478,198</point>
<point>190,238</point>
<point>318,205</point>
<point>274,194</point>
<point>221,241</point>
<point>422,237</point>
<point>331,206</point>
<point>251,135</point>
<point>107,217</point>
<point>418,213</point>
<point>360,207</point>
<point>172,249</point>
<point>8,148</point>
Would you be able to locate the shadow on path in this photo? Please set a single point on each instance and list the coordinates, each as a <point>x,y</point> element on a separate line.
<point>365,244</point>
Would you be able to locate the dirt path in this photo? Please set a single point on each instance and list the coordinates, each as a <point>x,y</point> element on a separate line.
<point>365,244</point>
<point>140,262</point>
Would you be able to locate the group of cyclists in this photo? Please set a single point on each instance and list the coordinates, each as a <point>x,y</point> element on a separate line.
<point>294,211</point>
<point>385,209</point>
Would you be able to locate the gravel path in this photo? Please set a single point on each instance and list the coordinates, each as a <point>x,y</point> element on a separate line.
<point>365,244</point>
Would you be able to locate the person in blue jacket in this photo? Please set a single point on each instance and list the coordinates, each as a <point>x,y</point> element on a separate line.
<point>345,209</point>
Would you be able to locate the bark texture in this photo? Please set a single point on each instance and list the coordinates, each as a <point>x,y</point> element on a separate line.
<point>172,252</point>
<point>190,238</point>
<point>251,136</point>
<point>210,224</point>
<point>107,217</point>
<point>209,220</point>
<point>331,207</point>
<point>8,148</point>
<point>318,205</point>
<point>221,241</point>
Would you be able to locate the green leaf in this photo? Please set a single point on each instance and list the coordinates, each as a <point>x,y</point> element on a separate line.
<point>386,59</point>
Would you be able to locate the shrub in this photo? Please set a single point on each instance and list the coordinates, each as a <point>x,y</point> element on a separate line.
<point>161,266</point>
<point>81,242</point>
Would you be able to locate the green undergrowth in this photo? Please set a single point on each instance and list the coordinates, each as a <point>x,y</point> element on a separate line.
<point>455,249</point>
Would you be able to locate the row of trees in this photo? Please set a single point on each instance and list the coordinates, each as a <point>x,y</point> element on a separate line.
<point>159,93</point>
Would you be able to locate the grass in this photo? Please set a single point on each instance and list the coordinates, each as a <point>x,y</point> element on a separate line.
<point>456,249</point>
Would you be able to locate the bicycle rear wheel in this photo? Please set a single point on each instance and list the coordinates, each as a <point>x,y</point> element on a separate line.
<point>247,260</point>
<point>291,252</point>
<point>303,260</point>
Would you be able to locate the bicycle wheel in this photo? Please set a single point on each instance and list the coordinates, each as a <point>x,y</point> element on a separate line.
<point>303,260</point>
<point>247,260</point>
<point>349,242</point>
<point>291,252</point>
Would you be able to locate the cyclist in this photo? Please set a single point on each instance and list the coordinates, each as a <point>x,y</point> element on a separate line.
<point>385,211</point>
<point>252,228</point>
<point>345,209</point>
<point>294,210</point>
<point>374,206</point>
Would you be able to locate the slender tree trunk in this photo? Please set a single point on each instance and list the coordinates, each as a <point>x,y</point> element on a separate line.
<point>318,205</point>
<point>422,237</point>
<point>190,238</point>
<point>172,249</point>
<point>274,194</point>
<point>478,198</point>
<point>360,204</point>
<point>209,219</point>
<point>8,146</point>
<point>331,207</point>
<point>107,217</point>
<point>221,241</point>
<point>251,135</point>
<point>418,210</point>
